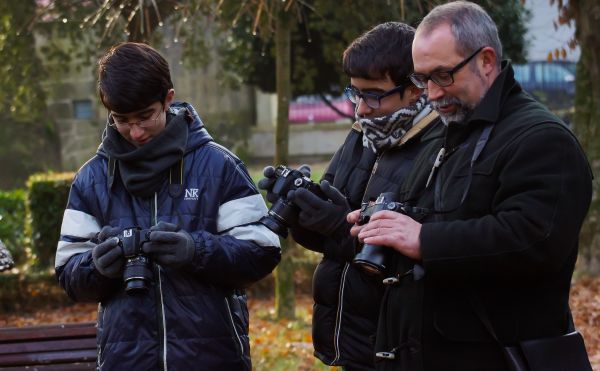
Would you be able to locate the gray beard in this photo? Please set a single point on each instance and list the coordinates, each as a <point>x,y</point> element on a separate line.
<point>463,111</point>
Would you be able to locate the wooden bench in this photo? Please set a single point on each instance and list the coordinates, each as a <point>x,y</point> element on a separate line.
<point>49,348</point>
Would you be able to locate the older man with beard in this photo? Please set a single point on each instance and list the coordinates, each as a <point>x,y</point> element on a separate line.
<point>491,263</point>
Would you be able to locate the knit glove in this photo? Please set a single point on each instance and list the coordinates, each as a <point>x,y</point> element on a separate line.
<point>268,181</point>
<point>170,245</point>
<point>327,217</point>
<point>107,255</point>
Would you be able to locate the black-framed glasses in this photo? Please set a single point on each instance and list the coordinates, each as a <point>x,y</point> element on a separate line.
<point>371,99</point>
<point>144,124</point>
<point>441,78</point>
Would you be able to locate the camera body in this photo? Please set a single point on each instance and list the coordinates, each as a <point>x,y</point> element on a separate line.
<point>284,213</point>
<point>373,259</point>
<point>137,273</point>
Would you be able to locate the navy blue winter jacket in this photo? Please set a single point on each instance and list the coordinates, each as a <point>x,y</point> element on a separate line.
<point>193,317</point>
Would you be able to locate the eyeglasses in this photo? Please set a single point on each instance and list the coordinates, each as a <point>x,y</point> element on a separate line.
<point>371,99</point>
<point>440,78</point>
<point>144,124</point>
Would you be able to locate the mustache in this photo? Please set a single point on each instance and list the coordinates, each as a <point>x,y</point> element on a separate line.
<point>444,101</point>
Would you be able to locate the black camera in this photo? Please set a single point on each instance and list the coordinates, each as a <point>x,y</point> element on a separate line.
<point>373,258</point>
<point>284,214</point>
<point>138,267</point>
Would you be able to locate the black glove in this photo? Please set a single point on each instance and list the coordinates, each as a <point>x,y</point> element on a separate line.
<point>107,255</point>
<point>267,182</point>
<point>170,245</point>
<point>327,217</point>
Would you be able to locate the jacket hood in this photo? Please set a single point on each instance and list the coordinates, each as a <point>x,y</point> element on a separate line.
<point>197,133</point>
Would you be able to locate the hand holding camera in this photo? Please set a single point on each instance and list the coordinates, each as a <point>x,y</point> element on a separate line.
<point>107,255</point>
<point>373,259</point>
<point>270,177</point>
<point>328,217</point>
<point>170,245</point>
<point>278,183</point>
<point>386,231</point>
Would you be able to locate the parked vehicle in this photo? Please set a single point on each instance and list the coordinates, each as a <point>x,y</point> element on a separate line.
<point>553,83</point>
<point>312,109</point>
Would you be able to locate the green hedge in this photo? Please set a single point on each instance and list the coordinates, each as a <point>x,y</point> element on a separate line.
<point>47,196</point>
<point>12,220</point>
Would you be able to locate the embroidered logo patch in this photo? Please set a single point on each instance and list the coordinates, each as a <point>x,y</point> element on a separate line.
<point>191,194</point>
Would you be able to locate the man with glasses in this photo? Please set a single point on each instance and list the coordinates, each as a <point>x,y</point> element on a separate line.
<point>394,123</point>
<point>161,228</point>
<point>491,264</point>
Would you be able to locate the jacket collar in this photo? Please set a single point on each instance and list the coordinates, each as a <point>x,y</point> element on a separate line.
<point>490,107</point>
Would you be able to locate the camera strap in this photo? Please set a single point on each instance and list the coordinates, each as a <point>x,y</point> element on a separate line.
<point>112,166</point>
<point>479,146</point>
<point>176,179</point>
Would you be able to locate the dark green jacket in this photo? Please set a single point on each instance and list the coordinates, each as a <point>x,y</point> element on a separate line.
<point>504,232</point>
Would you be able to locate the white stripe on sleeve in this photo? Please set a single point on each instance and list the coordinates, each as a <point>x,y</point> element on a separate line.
<point>236,214</point>
<point>66,250</point>
<point>79,224</point>
<point>241,211</point>
<point>257,233</point>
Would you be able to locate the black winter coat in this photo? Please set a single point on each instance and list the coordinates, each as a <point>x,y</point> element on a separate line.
<point>510,245</point>
<point>346,300</point>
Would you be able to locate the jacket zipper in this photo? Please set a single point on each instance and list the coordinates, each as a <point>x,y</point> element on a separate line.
<point>340,307</point>
<point>160,305</point>
<point>338,317</point>
<point>99,357</point>
<point>237,336</point>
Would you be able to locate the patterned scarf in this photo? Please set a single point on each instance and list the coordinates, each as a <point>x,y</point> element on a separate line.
<point>381,133</point>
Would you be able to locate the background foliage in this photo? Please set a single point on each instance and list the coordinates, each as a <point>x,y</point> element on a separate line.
<point>77,32</point>
<point>28,141</point>
<point>325,28</point>
<point>12,218</point>
<point>47,196</point>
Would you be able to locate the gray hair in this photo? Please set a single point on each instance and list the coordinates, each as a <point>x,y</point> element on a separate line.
<point>471,26</point>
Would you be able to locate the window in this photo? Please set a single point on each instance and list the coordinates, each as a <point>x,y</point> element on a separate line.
<point>82,109</point>
<point>522,73</point>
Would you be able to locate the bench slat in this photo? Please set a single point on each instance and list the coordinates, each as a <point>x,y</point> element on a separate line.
<point>47,346</point>
<point>13,334</point>
<point>58,367</point>
<point>68,347</point>
<point>68,356</point>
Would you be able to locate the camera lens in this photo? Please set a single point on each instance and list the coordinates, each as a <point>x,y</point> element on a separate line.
<point>137,275</point>
<point>371,259</point>
<point>281,215</point>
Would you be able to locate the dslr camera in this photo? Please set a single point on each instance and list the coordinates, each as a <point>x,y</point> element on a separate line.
<point>284,213</point>
<point>373,259</point>
<point>138,267</point>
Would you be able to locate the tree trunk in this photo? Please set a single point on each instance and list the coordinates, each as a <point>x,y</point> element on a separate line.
<point>284,281</point>
<point>586,121</point>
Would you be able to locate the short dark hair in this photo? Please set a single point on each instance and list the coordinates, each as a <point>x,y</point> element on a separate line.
<point>132,76</point>
<point>384,50</point>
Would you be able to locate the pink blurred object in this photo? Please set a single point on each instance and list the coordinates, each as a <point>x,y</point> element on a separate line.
<point>311,109</point>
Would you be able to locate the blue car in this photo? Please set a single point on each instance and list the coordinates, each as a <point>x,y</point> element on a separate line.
<point>553,83</point>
